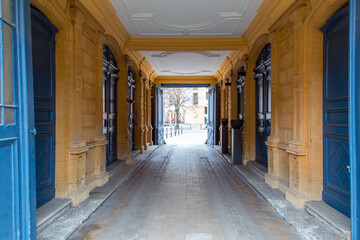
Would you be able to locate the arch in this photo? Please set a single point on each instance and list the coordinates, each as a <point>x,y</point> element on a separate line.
<point>137,108</point>
<point>122,86</point>
<point>249,133</point>
<point>64,75</point>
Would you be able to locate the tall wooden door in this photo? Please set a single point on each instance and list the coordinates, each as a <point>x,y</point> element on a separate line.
<point>159,116</point>
<point>211,123</point>
<point>336,191</point>
<point>131,107</point>
<point>110,79</point>
<point>241,95</point>
<point>43,46</point>
<point>17,160</point>
<point>263,103</point>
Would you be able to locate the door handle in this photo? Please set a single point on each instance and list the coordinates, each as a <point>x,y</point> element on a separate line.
<point>348,167</point>
<point>33,132</point>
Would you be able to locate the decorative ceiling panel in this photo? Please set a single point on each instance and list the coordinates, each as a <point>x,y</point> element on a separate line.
<point>170,18</point>
<point>195,63</point>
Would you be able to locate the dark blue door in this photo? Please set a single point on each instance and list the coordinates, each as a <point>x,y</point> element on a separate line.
<point>336,190</point>
<point>263,103</point>
<point>43,43</point>
<point>110,79</point>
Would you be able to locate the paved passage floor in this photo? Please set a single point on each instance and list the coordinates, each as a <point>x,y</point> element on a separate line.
<point>188,193</point>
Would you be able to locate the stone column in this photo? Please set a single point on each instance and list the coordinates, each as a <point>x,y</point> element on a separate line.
<point>272,177</point>
<point>298,146</point>
<point>101,175</point>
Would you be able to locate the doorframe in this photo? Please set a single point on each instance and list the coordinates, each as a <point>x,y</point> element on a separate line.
<point>27,168</point>
<point>354,115</point>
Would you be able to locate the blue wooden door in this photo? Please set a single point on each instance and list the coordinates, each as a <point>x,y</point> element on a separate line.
<point>263,103</point>
<point>43,43</point>
<point>336,190</point>
<point>110,79</point>
<point>211,123</point>
<point>17,198</point>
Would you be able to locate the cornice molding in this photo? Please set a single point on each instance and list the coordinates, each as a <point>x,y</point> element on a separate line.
<point>185,44</point>
<point>104,12</point>
<point>142,64</point>
<point>230,62</point>
<point>185,80</point>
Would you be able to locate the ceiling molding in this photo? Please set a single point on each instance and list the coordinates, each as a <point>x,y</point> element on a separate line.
<point>203,53</point>
<point>185,44</point>
<point>185,80</point>
<point>157,18</point>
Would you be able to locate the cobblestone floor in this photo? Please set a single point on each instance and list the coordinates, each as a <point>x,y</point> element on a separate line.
<point>188,193</point>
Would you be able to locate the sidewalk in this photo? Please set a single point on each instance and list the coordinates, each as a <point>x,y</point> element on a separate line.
<point>64,226</point>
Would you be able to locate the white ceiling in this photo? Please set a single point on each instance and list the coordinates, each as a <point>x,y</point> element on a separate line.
<point>186,63</point>
<point>178,18</point>
<point>186,18</point>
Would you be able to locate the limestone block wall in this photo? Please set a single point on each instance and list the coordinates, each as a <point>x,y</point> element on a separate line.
<point>83,30</point>
<point>295,151</point>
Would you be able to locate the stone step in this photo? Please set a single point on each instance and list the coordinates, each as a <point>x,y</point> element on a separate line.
<point>115,166</point>
<point>330,218</point>
<point>259,169</point>
<point>50,211</point>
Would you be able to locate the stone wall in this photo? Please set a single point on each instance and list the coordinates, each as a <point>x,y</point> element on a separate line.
<point>295,153</point>
<point>83,30</point>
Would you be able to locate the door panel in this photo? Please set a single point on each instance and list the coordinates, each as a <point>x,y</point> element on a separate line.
<point>43,44</point>
<point>336,190</point>
<point>263,103</point>
<point>159,116</point>
<point>211,124</point>
<point>110,79</point>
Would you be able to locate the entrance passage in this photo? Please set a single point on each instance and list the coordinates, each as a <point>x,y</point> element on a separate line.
<point>43,48</point>
<point>336,190</point>
<point>263,104</point>
<point>185,192</point>
<point>110,79</point>
<point>188,114</point>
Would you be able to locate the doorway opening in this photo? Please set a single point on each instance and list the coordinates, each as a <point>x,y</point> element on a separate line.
<point>185,114</point>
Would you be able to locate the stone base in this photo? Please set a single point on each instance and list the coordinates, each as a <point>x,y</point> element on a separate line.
<point>146,146</point>
<point>102,179</point>
<point>79,195</point>
<point>296,198</point>
<point>128,159</point>
<point>276,182</point>
<point>151,143</point>
<point>245,161</point>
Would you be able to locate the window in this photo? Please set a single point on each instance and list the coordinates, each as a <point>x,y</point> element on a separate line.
<point>207,95</point>
<point>195,98</point>
<point>205,110</point>
<point>7,98</point>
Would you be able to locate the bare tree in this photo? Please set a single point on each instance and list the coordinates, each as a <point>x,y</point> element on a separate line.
<point>177,97</point>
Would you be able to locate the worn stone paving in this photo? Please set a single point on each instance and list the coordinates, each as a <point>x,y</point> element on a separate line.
<point>189,193</point>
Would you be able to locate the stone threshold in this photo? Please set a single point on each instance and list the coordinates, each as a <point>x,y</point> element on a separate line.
<point>303,223</point>
<point>330,218</point>
<point>50,211</point>
<point>258,168</point>
<point>65,225</point>
<point>115,166</point>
